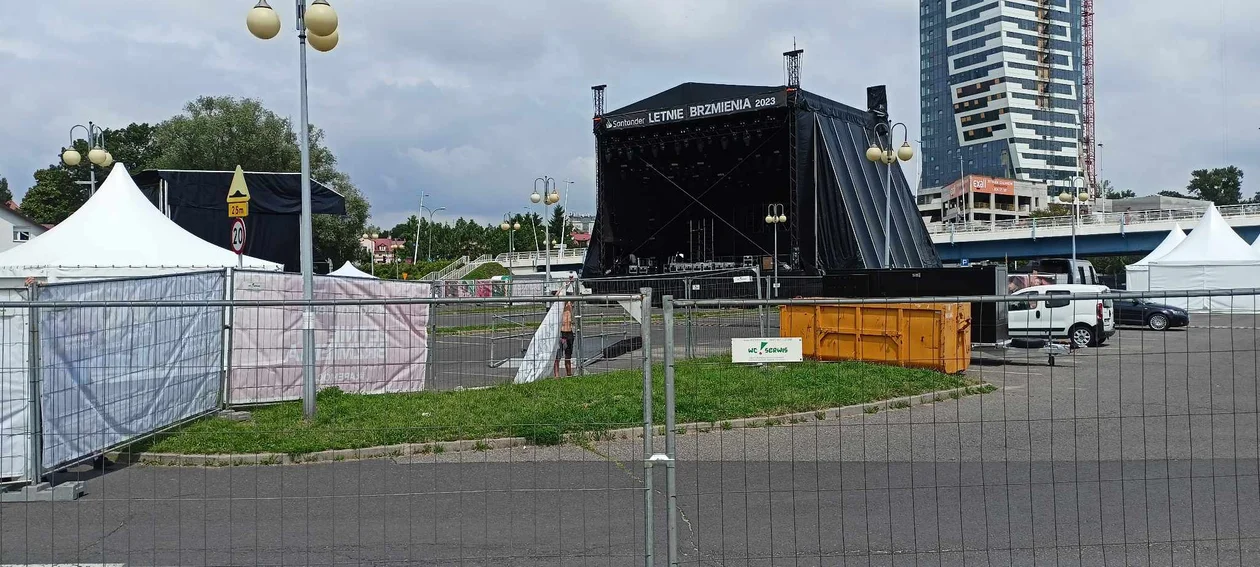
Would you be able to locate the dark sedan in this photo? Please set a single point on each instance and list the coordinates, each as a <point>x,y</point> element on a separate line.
<point>1146,313</point>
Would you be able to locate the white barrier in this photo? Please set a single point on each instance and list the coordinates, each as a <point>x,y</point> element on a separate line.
<point>358,348</point>
<point>110,375</point>
<point>14,387</point>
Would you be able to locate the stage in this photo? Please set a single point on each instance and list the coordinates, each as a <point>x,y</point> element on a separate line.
<point>687,178</point>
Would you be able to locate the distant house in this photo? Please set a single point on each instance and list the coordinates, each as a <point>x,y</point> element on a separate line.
<point>22,228</point>
<point>384,250</point>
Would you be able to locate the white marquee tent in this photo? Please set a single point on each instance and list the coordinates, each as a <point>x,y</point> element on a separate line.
<point>1137,274</point>
<point>1212,257</point>
<point>349,271</point>
<point>117,233</point>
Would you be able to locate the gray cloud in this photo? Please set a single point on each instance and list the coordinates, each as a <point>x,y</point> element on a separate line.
<point>470,101</point>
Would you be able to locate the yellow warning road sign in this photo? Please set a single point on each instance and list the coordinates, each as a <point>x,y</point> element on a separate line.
<point>238,192</point>
<point>238,210</point>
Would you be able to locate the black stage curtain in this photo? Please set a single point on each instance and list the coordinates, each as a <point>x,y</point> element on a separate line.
<point>198,204</point>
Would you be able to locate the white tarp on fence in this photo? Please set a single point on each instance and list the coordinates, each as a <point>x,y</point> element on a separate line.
<point>109,375</point>
<point>541,352</point>
<point>14,382</point>
<point>358,348</point>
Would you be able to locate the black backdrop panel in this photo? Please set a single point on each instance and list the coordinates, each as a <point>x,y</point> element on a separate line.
<point>197,200</point>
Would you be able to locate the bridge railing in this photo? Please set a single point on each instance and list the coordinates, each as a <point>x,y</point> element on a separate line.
<point>535,257</point>
<point>1127,218</point>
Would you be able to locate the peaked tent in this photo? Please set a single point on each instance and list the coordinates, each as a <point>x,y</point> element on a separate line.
<point>117,233</point>
<point>1137,274</point>
<point>349,271</point>
<point>1256,245</point>
<point>1212,257</point>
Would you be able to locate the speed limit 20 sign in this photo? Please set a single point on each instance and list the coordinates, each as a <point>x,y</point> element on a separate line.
<point>238,235</point>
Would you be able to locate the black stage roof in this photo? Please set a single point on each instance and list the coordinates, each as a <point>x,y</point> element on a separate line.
<point>197,201</point>
<point>717,155</point>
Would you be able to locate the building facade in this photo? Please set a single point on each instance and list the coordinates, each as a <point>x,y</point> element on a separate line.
<point>979,198</point>
<point>1000,90</point>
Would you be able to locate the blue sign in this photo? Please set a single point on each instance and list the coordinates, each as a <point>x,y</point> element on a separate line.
<point>964,263</point>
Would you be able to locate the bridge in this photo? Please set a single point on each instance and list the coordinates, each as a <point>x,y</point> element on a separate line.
<point>1133,233</point>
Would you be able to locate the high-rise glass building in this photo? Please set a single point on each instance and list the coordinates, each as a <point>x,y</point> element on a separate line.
<point>1000,89</point>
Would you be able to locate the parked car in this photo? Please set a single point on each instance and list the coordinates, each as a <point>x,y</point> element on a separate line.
<point>1146,313</point>
<point>1048,311</point>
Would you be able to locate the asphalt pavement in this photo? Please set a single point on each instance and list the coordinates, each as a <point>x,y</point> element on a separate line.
<point>1141,452</point>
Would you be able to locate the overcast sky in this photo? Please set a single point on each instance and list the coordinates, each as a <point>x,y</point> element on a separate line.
<point>470,100</point>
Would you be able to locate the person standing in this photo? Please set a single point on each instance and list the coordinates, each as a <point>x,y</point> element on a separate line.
<point>566,342</point>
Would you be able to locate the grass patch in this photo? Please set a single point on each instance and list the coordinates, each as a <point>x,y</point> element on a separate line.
<point>487,271</point>
<point>708,391</point>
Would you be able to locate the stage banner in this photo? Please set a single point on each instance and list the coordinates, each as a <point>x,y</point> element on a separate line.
<point>362,349</point>
<point>681,113</point>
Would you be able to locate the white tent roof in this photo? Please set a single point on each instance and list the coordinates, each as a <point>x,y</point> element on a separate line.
<point>1211,242</point>
<point>349,271</point>
<point>1175,236</point>
<point>118,233</point>
<point>1256,245</point>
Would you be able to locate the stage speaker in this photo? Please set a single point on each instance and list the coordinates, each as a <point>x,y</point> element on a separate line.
<point>877,101</point>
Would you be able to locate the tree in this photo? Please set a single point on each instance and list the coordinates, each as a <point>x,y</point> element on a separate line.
<point>5,194</point>
<point>220,133</point>
<point>54,197</point>
<point>1222,185</point>
<point>561,229</point>
<point>1110,192</point>
<point>1054,210</point>
<point>1173,194</point>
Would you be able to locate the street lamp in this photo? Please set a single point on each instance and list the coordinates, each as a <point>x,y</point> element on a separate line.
<point>96,152</point>
<point>431,213</point>
<point>877,152</point>
<point>510,226</point>
<point>775,217</point>
<point>320,21</point>
<point>547,198</point>
<point>1076,200</point>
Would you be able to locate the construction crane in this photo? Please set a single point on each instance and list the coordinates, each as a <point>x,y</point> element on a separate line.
<point>1089,145</point>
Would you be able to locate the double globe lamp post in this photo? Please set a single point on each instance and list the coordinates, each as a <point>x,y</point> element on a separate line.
<point>510,226</point>
<point>1075,200</point>
<point>316,25</point>
<point>878,153</point>
<point>548,197</point>
<point>775,217</point>
<point>96,152</point>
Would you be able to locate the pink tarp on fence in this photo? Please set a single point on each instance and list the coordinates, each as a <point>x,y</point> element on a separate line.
<point>358,348</point>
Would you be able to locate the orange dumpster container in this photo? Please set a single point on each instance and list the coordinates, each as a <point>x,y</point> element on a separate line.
<point>924,335</point>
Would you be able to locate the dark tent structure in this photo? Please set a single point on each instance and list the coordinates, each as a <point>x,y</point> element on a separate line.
<point>688,175</point>
<point>197,201</point>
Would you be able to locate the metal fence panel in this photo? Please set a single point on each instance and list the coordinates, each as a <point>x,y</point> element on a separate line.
<point>109,375</point>
<point>14,391</point>
<point>1140,450</point>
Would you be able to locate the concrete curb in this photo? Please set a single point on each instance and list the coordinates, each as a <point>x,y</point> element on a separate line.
<point>438,447</point>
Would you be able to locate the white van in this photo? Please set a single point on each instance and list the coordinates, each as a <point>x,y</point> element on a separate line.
<point>1087,322</point>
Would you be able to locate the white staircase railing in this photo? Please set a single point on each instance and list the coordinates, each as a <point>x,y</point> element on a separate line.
<point>441,274</point>
<point>468,268</point>
<point>534,258</point>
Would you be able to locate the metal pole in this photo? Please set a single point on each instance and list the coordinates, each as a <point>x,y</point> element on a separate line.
<point>888,212</point>
<point>91,168</point>
<point>306,234</point>
<point>776,257</point>
<point>415,249</point>
<point>645,329</point>
<point>690,313</point>
<point>671,519</point>
<point>761,310</point>
<point>547,224</point>
<point>34,459</point>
